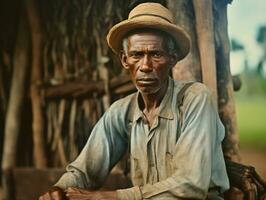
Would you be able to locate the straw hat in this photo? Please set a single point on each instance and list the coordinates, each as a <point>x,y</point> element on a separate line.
<point>149,15</point>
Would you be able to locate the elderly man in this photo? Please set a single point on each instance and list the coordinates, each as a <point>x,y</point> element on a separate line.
<point>174,146</point>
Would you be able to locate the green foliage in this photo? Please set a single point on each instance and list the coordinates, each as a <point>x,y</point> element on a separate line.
<point>261,37</point>
<point>236,45</point>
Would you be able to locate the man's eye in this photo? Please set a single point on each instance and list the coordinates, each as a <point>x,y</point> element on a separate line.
<point>135,54</point>
<point>156,55</point>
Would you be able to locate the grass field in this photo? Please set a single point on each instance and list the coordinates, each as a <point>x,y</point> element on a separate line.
<point>251,117</point>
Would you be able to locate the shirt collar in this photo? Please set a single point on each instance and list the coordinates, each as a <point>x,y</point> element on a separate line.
<point>165,107</point>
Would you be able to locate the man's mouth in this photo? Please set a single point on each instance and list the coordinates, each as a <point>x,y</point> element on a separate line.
<point>146,80</point>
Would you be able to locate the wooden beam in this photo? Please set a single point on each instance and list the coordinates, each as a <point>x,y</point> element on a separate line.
<point>118,85</point>
<point>73,89</point>
<point>206,43</point>
<point>36,79</point>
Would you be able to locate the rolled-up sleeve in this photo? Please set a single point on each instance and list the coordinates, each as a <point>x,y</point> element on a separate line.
<point>198,150</point>
<point>104,148</point>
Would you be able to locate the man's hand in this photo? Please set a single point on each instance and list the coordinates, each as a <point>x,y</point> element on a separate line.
<point>54,193</point>
<point>82,194</point>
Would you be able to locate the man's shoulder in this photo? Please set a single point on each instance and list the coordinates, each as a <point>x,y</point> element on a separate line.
<point>199,88</point>
<point>195,88</point>
<point>194,93</point>
<point>123,103</point>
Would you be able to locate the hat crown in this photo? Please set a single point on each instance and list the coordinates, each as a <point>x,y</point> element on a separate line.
<point>149,16</point>
<point>152,10</point>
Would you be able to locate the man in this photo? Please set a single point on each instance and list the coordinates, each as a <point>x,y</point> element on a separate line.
<point>175,150</point>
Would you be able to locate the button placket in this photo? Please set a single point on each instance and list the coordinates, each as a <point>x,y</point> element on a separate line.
<point>152,175</point>
<point>153,129</point>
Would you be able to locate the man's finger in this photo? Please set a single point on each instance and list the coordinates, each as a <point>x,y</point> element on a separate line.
<point>72,189</point>
<point>56,195</point>
<point>46,196</point>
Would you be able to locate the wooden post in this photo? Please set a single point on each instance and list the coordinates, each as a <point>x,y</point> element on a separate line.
<point>206,43</point>
<point>17,93</point>
<point>36,98</point>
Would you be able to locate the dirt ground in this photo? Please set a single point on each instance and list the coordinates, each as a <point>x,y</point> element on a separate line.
<point>255,158</point>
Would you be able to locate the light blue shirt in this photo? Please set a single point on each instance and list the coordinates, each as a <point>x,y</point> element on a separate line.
<point>167,161</point>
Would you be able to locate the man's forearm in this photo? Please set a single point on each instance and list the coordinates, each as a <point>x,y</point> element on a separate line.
<point>71,179</point>
<point>82,194</point>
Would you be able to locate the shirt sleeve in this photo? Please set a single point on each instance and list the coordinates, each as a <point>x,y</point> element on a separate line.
<point>197,149</point>
<point>104,148</point>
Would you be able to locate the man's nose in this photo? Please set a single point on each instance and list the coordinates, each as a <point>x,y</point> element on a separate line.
<point>146,65</point>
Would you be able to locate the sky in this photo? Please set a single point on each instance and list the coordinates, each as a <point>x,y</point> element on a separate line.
<point>244,18</point>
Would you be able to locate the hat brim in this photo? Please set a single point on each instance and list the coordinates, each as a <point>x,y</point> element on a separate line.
<point>118,32</point>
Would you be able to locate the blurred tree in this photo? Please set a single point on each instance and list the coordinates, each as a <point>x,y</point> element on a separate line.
<point>261,36</point>
<point>236,45</point>
<point>261,39</point>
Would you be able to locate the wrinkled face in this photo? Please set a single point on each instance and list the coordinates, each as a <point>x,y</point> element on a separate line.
<point>147,61</point>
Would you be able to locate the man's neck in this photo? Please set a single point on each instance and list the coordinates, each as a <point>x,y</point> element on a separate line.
<point>151,101</point>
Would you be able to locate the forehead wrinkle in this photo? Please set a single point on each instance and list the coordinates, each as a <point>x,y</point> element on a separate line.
<point>136,42</point>
<point>145,48</point>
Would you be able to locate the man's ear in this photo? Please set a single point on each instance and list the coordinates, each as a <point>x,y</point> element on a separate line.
<point>123,59</point>
<point>173,59</point>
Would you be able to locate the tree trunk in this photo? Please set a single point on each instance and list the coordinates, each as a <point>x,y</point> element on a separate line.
<point>225,84</point>
<point>189,68</point>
